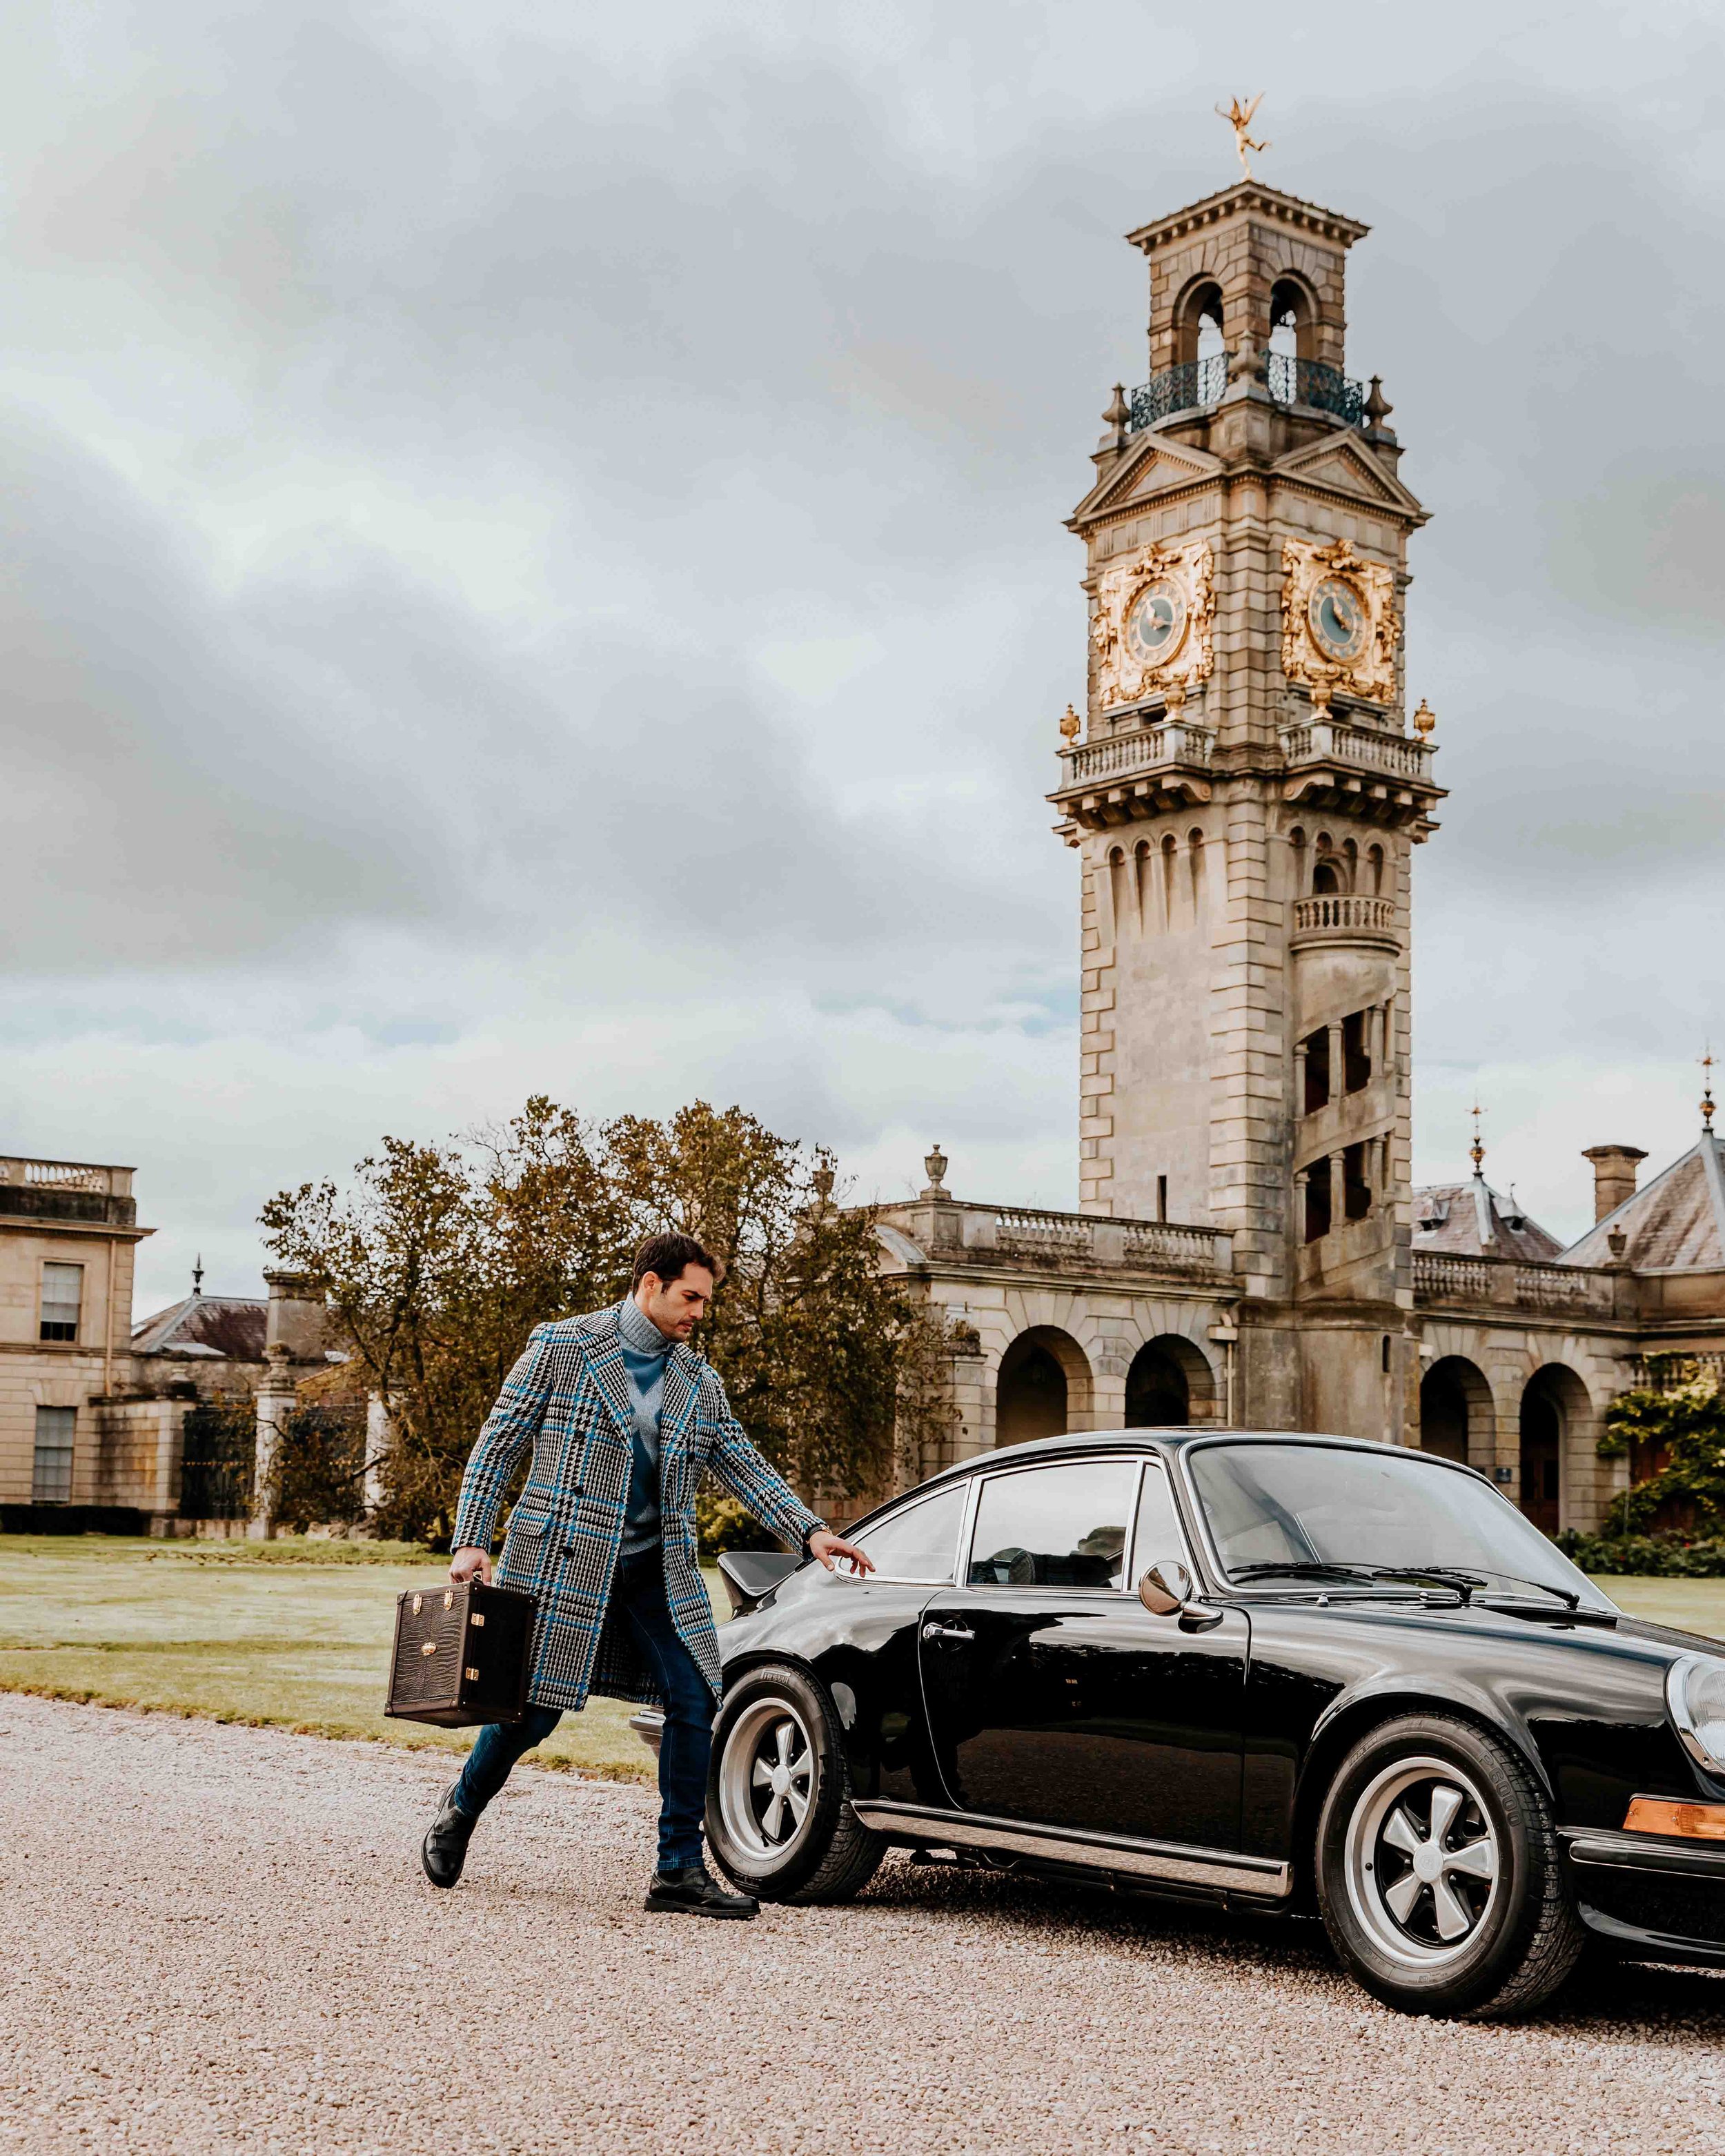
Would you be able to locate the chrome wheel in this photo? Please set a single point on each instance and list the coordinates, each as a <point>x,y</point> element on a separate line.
<point>766,1779</point>
<point>1421,1861</point>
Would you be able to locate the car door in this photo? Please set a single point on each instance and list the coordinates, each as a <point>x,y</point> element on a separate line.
<point>1053,1695</point>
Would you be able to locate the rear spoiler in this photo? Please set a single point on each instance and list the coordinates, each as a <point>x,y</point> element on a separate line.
<point>750,1576</point>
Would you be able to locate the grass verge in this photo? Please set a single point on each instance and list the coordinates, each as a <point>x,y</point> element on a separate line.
<point>301,1640</point>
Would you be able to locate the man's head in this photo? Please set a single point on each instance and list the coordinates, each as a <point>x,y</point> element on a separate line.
<point>674,1281</point>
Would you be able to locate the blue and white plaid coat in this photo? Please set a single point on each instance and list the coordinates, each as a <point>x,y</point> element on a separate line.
<point>568,1398</point>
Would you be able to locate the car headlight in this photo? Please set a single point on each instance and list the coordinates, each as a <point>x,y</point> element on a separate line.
<point>1695,1695</point>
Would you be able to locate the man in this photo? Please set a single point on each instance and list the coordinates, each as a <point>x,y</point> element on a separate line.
<point>623,1419</point>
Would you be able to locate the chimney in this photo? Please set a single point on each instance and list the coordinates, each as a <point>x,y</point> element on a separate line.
<point>1613,1176</point>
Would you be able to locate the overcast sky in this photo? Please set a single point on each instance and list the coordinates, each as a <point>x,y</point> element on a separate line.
<point>534,560</point>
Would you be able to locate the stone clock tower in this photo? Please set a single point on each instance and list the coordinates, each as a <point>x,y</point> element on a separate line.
<point>1245,801</point>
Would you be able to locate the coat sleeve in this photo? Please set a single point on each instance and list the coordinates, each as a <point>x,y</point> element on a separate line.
<point>509,1428</point>
<point>737,1466</point>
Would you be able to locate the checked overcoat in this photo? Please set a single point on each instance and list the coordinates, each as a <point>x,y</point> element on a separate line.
<point>568,1398</point>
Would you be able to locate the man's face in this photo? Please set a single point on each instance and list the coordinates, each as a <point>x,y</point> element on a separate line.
<point>676,1306</point>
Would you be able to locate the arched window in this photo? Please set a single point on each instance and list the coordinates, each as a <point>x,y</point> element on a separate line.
<point>1375,861</point>
<point>1350,865</point>
<point>1118,889</point>
<point>1169,851</point>
<point>1144,882</point>
<point>1292,320</point>
<point>1325,875</point>
<point>1197,323</point>
<point>1194,857</point>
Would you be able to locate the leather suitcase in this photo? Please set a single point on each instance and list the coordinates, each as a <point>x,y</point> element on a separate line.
<point>461,1655</point>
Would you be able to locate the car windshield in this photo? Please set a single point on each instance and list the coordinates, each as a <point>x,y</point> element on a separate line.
<point>1308,1507</point>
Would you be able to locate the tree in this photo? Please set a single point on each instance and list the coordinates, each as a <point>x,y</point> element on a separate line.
<point>1674,1433</point>
<point>439,1261</point>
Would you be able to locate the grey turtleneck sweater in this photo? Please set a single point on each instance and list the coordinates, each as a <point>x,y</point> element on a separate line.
<point>644,1348</point>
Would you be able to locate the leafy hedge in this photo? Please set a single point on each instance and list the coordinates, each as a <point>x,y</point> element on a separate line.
<point>1653,1556</point>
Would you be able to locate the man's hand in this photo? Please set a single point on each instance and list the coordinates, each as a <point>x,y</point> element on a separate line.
<point>470,1563</point>
<point>827,1546</point>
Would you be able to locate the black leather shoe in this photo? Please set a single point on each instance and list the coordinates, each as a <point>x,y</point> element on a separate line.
<point>694,1892</point>
<point>443,1850</point>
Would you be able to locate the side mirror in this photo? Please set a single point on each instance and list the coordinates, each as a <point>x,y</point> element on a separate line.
<point>1166,1588</point>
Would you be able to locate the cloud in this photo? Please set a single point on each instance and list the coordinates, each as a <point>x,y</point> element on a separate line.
<point>535,557</point>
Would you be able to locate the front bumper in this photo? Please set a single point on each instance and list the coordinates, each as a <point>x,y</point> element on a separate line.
<point>1654,1897</point>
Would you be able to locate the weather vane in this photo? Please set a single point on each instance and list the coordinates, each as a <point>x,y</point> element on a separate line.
<point>1476,1150</point>
<point>1708,1062</point>
<point>1239,117</point>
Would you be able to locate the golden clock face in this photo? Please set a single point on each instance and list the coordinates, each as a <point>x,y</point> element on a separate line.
<point>1156,623</point>
<point>1339,619</point>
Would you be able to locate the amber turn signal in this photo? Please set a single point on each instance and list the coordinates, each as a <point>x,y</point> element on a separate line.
<point>1661,1815</point>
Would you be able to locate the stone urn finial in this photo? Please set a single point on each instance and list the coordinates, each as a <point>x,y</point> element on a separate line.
<point>822,1179</point>
<point>935,1165</point>
<point>1425,719</point>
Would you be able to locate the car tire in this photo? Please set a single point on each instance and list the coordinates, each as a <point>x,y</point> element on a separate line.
<point>779,1821</point>
<point>1439,1878</point>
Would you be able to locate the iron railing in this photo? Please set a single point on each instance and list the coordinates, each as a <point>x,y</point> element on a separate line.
<point>1184,389</point>
<point>216,1465</point>
<point>1309,382</point>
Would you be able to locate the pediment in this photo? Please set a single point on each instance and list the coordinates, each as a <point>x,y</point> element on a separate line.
<point>1349,467</point>
<point>1149,469</point>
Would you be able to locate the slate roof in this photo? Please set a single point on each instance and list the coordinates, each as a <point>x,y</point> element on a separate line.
<point>1459,1218</point>
<point>205,1327</point>
<point>1675,1223</point>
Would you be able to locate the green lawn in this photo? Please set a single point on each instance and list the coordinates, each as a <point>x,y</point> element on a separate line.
<point>292,1633</point>
<point>298,1633</point>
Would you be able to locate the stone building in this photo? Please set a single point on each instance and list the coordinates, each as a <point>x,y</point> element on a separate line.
<point>1243,796</point>
<point>93,1410</point>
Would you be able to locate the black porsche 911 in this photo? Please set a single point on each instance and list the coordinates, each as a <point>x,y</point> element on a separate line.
<point>1279,1671</point>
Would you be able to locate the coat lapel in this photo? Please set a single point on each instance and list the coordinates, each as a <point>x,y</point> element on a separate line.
<point>682,1384</point>
<point>605,1355</point>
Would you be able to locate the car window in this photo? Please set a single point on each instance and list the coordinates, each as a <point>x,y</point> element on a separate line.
<point>1054,1527</point>
<point>1158,1533</point>
<point>919,1543</point>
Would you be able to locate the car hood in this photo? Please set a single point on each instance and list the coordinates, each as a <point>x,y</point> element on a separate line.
<point>1664,1636</point>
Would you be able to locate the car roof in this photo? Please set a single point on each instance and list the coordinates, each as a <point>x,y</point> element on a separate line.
<point>1160,1439</point>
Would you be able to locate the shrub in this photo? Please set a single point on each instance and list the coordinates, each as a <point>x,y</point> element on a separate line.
<point>1657,1557</point>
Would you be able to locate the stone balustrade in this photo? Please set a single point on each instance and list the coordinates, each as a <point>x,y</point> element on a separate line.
<point>1343,913</point>
<point>1506,1283</point>
<point>1128,756</point>
<point>65,1190</point>
<point>1333,741</point>
<point>948,1229</point>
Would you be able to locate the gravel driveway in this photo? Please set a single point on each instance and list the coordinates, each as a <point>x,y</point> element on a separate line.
<point>217,1938</point>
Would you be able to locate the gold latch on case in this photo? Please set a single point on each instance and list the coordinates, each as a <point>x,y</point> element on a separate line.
<point>418,1604</point>
<point>477,1617</point>
<point>472,1675</point>
<point>428,1647</point>
<point>448,1597</point>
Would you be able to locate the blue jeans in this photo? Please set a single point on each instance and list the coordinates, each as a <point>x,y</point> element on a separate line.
<point>637,1596</point>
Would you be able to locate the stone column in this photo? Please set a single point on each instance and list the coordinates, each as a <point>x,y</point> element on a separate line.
<point>1338,1076</point>
<point>275,1398</point>
<point>1299,1079</point>
<point>1338,1167</point>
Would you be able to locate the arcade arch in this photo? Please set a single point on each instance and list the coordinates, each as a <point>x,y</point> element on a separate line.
<point>1456,1420</point>
<point>1555,1412</point>
<point>1043,1388</point>
<point>1168,1385</point>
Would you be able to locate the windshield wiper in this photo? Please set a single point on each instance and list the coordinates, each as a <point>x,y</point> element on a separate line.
<point>1338,1569</point>
<point>1464,1582</point>
<point>1566,1595</point>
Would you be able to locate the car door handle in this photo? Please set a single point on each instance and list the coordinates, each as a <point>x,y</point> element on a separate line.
<point>948,1632</point>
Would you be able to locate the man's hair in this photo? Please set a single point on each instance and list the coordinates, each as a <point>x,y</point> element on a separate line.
<point>671,1256</point>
